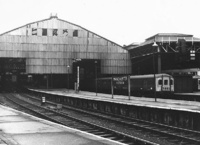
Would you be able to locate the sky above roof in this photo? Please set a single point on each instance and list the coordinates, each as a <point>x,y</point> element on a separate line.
<point>121,21</point>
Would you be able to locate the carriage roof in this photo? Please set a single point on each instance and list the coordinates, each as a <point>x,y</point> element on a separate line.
<point>140,76</point>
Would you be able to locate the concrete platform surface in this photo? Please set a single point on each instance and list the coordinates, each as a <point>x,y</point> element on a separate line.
<point>17,128</point>
<point>190,106</point>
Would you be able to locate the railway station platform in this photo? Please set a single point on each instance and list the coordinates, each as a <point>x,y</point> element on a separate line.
<point>172,104</point>
<point>194,96</point>
<point>18,128</point>
<point>178,113</point>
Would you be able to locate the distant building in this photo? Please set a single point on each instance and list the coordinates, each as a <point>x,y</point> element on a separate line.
<point>173,51</point>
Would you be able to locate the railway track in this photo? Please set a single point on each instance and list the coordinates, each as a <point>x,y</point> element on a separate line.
<point>173,135</point>
<point>169,134</point>
<point>75,122</point>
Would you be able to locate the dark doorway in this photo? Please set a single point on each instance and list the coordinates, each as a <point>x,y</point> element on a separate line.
<point>12,65</point>
<point>88,71</point>
<point>12,72</point>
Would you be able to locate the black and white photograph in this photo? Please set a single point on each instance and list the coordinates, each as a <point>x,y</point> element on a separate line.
<point>100,72</point>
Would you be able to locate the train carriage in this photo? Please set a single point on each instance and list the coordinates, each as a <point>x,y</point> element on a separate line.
<point>147,85</point>
<point>141,85</point>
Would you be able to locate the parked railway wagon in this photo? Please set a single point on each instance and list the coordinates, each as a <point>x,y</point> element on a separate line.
<point>140,85</point>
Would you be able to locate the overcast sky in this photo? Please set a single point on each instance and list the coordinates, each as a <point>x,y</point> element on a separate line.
<point>121,21</point>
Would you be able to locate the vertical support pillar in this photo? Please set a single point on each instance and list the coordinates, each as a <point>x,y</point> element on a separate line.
<point>51,80</point>
<point>77,78</point>
<point>170,83</point>
<point>159,60</point>
<point>154,74</point>
<point>47,81</point>
<point>68,77</point>
<point>112,89</point>
<point>129,87</point>
<point>96,77</point>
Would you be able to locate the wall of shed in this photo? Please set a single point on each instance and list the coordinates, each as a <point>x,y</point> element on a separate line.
<point>51,54</point>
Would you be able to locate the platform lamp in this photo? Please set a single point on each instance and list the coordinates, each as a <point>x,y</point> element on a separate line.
<point>154,72</point>
<point>68,77</point>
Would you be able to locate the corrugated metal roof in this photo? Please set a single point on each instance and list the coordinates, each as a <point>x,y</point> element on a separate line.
<point>63,21</point>
<point>182,70</point>
<point>196,39</point>
<point>148,76</point>
<point>170,35</point>
<point>132,45</point>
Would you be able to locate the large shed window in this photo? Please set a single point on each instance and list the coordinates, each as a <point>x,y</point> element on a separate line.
<point>65,32</point>
<point>34,31</point>
<point>75,33</point>
<point>44,32</point>
<point>55,32</point>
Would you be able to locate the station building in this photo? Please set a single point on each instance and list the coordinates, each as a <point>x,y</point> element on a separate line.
<point>48,53</point>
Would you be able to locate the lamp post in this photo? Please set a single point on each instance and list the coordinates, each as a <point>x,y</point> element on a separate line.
<point>68,77</point>
<point>154,73</point>
<point>96,76</point>
<point>78,79</point>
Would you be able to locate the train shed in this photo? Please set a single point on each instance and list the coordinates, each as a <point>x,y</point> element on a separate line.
<point>51,52</point>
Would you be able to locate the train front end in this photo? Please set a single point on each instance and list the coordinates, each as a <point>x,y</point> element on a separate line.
<point>165,85</point>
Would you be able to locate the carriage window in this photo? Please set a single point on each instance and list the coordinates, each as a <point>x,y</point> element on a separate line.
<point>159,82</point>
<point>165,82</point>
<point>171,82</point>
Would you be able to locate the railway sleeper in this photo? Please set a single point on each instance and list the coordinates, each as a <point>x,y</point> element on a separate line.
<point>88,130</point>
<point>175,141</point>
<point>103,134</point>
<point>109,136</point>
<point>48,113</point>
<point>96,132</point>
<point>189,135</point>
